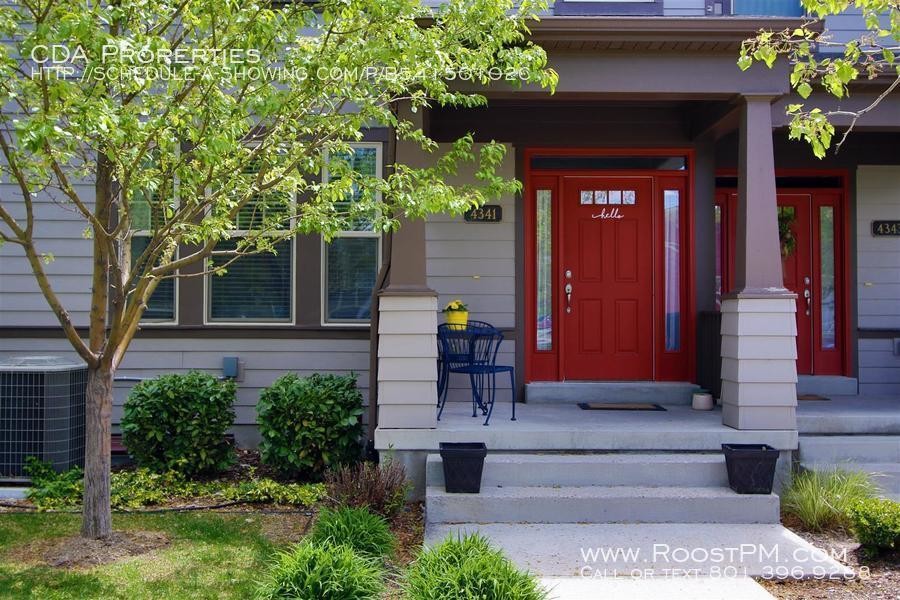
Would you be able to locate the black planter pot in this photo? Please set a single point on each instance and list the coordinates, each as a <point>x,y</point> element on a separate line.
<point>463,465</point>
<point>751,467</point>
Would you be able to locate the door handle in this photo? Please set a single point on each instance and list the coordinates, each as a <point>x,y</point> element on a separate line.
<point>808,296</point>
<point>568,297</point>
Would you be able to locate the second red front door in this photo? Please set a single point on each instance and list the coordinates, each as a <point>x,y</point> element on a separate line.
<point>606,285</point>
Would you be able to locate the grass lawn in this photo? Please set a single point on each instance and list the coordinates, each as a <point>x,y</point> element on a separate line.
<point>210,555</point>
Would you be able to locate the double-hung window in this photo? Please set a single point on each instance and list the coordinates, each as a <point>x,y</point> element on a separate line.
<point>147,212</point>
<point>350,262</point>
<point>256,288</point>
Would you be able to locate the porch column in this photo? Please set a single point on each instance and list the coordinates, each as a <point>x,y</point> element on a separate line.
<point>407,336</point>
<point>759,327</point>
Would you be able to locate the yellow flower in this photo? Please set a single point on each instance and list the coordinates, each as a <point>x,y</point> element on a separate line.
<point>455,305</point>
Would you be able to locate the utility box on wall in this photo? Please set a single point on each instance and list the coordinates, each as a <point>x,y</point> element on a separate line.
<point>42,401</point>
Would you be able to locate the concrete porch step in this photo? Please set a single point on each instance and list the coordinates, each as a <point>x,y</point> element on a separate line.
<point>619,504</point>
<point>885,475</point>
<point>849,448</point>
<point>572,392</point>
<point>827,385</point>
<point>579,470</point>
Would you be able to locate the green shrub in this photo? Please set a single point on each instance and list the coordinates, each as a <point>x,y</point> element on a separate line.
<point>178,423</point>
<point>467,568</point>
<point>367,533</point>
<point>52,490</point>
<point>876,523</point>
<point>322,572</point>
<point>310,424</point>
<point>821,499</point>
<point>269,490</point>
<point>382,488</point>
<point>142,487</point>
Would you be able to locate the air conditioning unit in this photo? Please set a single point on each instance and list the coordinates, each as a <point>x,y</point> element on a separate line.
<point>41,412</point>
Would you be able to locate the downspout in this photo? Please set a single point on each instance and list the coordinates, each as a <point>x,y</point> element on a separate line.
<point>381,282</point>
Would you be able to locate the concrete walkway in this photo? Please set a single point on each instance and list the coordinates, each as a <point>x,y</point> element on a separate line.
<point>653,560</point>
<point>652,549</point>
<point>654,588</point>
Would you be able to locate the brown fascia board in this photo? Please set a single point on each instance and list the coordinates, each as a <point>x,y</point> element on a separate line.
<point>656,29</point>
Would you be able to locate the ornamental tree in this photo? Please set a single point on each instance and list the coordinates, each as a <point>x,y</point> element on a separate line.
<point>875,54</point>
<point>191,119</point>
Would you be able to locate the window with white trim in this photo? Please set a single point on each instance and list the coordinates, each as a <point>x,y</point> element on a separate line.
<point>147,212</point>
<point>350,262</point>
<point>256,288</point>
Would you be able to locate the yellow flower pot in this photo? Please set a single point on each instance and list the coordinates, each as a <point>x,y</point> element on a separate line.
<point>457,319</point>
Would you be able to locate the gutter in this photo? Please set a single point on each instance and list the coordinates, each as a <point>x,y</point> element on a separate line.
<point>636,28</point>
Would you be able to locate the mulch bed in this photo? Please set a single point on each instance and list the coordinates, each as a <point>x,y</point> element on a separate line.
<point>877,578</point>
<point>409,528</point>
<point>81,553</point>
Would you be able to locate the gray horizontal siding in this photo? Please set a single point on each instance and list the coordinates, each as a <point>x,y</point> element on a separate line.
<point>475,262</point>
<point>58,232</point>
<point>684,8</point>
<point>878,258</point>
<point>844,27</point>
<point>879,368</point>
<point>878,277</point>
<point>263,361</point>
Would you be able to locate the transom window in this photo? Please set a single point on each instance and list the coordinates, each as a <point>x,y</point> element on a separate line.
<point>350,262</point>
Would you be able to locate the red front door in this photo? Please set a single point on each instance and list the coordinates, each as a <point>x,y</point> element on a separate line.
<point>810,261</point>
<point>810,226</point>
<point>794,228</point>
<point>607,278</point>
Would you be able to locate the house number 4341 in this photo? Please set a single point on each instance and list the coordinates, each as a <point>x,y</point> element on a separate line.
<point>489,213</point>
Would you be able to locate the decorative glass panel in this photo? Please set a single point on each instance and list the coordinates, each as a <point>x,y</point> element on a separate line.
<point>543,252</point>
<point>161,305</point>
<point>672,262</point>
<point>256,287</point>
<point>718,216</point>
<point>351,266</point>
<point>826,276</point>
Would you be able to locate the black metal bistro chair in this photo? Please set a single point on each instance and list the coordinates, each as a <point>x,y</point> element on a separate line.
<point>473,351</point>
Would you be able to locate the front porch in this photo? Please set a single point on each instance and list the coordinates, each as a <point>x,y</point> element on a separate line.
<point>565,427</point>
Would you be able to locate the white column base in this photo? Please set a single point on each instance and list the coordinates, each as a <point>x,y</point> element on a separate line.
<point>407,362</point>
<point>759,363</point>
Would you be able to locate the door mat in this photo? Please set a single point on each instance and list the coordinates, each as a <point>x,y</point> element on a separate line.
<point>810,397</point>
<point>619,406</point>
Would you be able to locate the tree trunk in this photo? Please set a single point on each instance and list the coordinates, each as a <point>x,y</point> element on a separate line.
<point>97,516</point>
